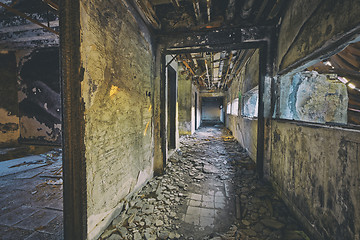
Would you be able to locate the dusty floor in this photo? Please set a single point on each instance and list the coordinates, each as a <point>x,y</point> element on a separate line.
<point>210,191</point>
<point>31,194</point>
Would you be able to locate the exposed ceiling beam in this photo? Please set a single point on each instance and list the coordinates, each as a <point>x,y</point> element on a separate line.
<point>52,4</point>
<point>175,3</point>
<point>264,10</point>
<point>148,13</point>
<point>227,71</point>
<point>27,18</point>
<point>208,6</point>
<point>277,8</point>
<point>188,67</point>
<point>197,11</point>
<point>230,10</point>
<point>247,9</point>
<point>219,37</point>
<point>160,2</point>
<point>207,73</point>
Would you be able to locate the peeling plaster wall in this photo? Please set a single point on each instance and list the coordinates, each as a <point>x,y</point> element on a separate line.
<point>315,167</point>
<point>312,97</point>
<point>185,99</point>
<point>39,96</point>
<point>9,108</point>
<point>317,170</point>
<point>118,63</point>
<point>244,129</point>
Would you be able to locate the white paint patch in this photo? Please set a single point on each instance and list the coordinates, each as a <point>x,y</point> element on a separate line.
<point>142,178</point>
<point>57,126</point>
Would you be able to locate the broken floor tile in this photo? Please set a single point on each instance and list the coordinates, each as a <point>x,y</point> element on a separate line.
<point>194,206</point>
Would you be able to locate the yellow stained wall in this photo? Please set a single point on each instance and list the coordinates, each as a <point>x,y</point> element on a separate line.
<point>118,67</point>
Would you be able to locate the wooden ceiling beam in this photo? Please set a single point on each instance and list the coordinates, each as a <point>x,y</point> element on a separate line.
<point>23,15</point>
<point>247,8</point>
<point>219,37</point>
<point>175,3</point>
<point>230,10</point>
<point>197,11</point>
<point>227,71</point>
<point>208,7</point>
<point>264,10</point>
<point>147,12</point>
<point>52,4</point>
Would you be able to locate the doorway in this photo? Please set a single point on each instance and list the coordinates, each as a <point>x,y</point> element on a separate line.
<point>172,99</point>
<point>211,111</point>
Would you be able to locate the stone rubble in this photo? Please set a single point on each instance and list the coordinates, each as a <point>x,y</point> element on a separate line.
<point>206,182</point>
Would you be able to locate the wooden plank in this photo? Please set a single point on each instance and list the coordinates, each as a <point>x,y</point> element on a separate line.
<point>52,4</point>
<point>197,11</point>
<point>219,37</point>
<point>147,12</point>
<point>230,11</point>
<point>27,18</point>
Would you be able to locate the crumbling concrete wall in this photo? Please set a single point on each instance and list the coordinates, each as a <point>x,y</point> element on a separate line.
<point>185,99</point>
<point>316,167</point>
<point>312,97</point>
<point>39,96</point>
<point>317,171</point>
<point>9,107</point>
<point>118,65</point>
<point>187,92</point>
<point>244,129</point>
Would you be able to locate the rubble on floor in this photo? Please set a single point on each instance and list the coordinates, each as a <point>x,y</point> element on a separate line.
<point>209,191</point>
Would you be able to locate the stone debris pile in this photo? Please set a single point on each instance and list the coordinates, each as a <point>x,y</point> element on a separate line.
<point>209,191</point>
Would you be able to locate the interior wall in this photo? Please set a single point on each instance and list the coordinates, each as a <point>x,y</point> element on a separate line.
<point>185,98</point>
<point>172,104</point>
<point>39,96</point>
<point>244,129</point>
<point>310,25</point>
<point>118,65</point>
<point>9,107</point>
<point>316,168</point>
<point>210,109</point>
<point>195,109</point>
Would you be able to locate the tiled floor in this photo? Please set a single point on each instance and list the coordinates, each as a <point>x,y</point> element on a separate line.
<point>202,210</point>
<point>30,206</point>
<point>209,191</point>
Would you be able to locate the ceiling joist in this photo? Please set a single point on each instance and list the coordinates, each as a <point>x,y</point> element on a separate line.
<point>23,15</point>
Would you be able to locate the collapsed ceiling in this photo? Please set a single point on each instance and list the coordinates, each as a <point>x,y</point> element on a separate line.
<point>28,24</point>
<point>211,70</point>
<point>214,71</point>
